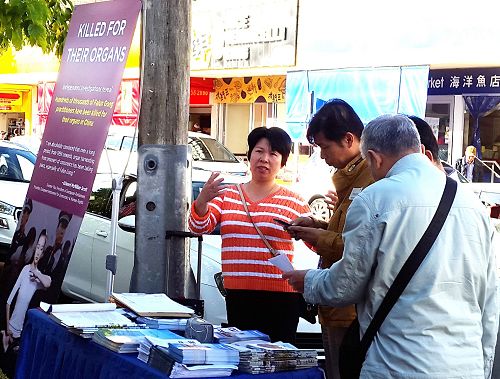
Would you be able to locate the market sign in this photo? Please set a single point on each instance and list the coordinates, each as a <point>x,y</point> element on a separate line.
<point>257,89</point>
<point>248,34</point>
<point>461,81</point>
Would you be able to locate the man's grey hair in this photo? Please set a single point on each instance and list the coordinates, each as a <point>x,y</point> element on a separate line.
<point>391,134</point>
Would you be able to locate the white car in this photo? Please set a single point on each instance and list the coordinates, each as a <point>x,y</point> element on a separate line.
<point>16,168</point>
<point>208,155</point>
<point>313,182</point>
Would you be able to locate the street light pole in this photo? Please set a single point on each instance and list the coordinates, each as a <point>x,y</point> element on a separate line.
<point>162,265</point>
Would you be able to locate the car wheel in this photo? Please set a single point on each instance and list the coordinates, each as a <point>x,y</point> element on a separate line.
<point>3,170</point>
<point>320,208</point>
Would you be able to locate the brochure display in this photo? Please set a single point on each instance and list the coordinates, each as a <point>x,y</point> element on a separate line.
<point>70,353</point>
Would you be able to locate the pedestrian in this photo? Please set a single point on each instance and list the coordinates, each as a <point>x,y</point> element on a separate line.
<point>257,296</point>
<point>469,166</point>
<point>336,129</point>
<point>444,323</point>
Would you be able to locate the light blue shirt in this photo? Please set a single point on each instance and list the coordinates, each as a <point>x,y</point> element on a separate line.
<point>444,324</point>
<point>469,167</point>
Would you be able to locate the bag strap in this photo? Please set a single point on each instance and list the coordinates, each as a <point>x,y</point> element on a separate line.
<point>411,265</point>
<point>271,249</point>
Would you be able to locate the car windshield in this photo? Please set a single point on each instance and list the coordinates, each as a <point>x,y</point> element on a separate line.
<point>210,150</point>
<point>16,165</point>
<point>203,149</point>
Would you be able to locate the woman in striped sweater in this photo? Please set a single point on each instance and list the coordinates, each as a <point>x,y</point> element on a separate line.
<point>257,296</point>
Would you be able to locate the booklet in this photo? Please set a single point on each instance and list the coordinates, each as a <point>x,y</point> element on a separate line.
<point>155,304</point>
<point>86,307</point>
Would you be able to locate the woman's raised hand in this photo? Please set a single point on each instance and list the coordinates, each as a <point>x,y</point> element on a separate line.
<point>212,188</point>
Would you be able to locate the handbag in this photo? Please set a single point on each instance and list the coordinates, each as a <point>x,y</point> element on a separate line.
<point>352,351</point>
<point>306,311</point>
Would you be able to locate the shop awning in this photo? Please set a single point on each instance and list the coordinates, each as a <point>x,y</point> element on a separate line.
<point>370,91</point>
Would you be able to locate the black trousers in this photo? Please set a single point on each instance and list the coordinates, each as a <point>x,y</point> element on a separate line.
<point>273,313</point>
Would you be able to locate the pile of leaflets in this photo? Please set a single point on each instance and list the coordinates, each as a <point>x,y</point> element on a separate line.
<point>85,319</point>
<point>175,324</point>
<point>203,353</point>
<point>233,334</point>
<point>150,341</point>
<point>163,361</point>
<point>129,340</point>
<point>263,357</point>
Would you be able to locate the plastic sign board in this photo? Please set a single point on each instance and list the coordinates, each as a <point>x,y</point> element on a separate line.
<point>90,73</point>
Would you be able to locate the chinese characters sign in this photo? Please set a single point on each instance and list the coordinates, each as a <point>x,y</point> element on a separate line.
<point>243,34</point>
<point>464,81</point>
<point>258,89</point>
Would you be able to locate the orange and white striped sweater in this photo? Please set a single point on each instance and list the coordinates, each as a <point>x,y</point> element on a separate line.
<point>244,254</point>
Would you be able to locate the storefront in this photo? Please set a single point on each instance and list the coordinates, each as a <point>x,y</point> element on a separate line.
<point>463,106</point>
<point>247,103</point>
<point>127,105</point>
<point>16,103</point>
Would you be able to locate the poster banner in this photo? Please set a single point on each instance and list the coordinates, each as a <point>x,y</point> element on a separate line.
<point>92,64</point>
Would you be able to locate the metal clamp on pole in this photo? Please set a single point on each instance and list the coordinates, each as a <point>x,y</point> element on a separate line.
<point>183,234</point>
<point>111,263</point>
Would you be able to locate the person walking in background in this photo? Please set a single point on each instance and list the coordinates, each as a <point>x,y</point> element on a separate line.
<point>336,129</point>
<point>257,296</point>
<point>29,280</point>
<point>469,166</point>
<point>444,324</point>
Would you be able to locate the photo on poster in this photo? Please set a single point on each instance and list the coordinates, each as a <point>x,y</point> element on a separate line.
<point>38,258</point>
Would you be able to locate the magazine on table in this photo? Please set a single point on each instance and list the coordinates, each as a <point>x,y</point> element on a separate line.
<point>153,304</point>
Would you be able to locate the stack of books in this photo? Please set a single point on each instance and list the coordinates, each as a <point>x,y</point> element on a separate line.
<point>233,334</point>
<point>252,361</point>
<point>129,340</point>
<point>163,361</point>
<point>278,356</point>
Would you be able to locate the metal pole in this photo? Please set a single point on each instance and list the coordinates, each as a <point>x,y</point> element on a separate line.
<point>161,194</point>
<point>117,185</point>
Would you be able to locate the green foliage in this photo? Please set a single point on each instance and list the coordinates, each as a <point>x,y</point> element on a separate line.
<point>42,23</point>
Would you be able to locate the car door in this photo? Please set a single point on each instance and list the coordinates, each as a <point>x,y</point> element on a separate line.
<point>78,278</point>
<point>102,247</point>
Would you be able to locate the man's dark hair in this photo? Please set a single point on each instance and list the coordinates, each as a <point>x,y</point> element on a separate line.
<point>279,140</point>
<point>335,119</point>
<point>427,137</point>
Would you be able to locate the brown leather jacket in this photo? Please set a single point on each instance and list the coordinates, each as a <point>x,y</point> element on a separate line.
<point>356,175</point>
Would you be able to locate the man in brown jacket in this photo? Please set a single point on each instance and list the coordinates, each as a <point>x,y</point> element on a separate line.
<point>336,129</point>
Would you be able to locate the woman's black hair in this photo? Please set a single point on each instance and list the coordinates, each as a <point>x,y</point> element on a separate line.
<point>42,233</point>
<point>29,241</point>
<point>278,138</point>
<point>335,119</point>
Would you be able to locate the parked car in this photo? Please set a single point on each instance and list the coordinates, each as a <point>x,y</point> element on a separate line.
<point>16,168</point>
<point>208,154</point>
<point>313,182</point>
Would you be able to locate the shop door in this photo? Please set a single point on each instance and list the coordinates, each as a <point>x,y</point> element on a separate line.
<point>439,115</point>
